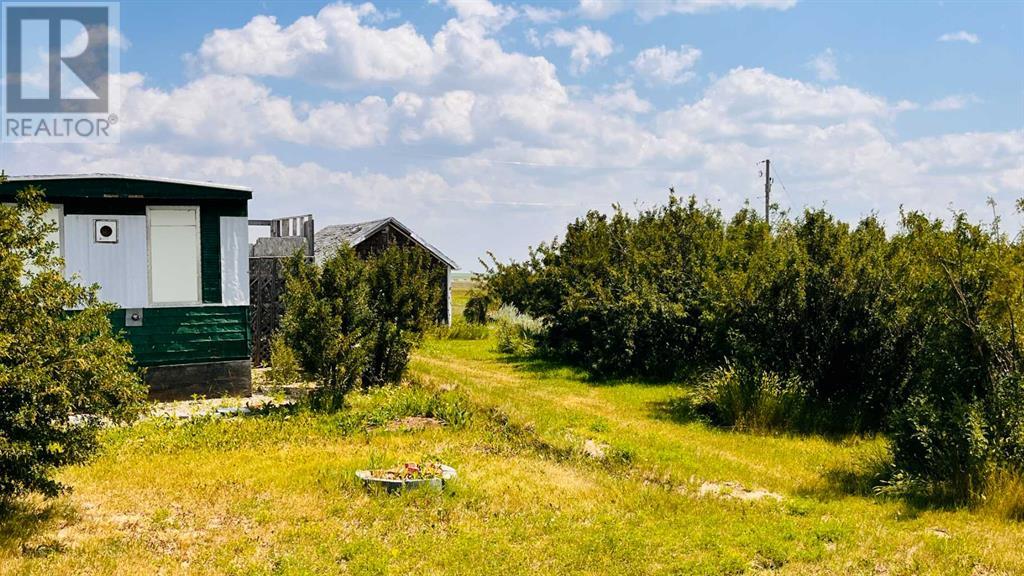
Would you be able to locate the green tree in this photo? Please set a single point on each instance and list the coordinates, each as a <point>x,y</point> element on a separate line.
<point>326,322</point>
<point>63,371</point>
<point>477,307</point>
<point>404,301</point>
<point>963,420</point>
<point>353,322</point>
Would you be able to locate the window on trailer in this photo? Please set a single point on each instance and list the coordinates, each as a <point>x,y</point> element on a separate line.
<point>173,254</point>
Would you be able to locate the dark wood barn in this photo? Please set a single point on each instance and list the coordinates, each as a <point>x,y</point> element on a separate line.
<point>369,238</point>
<point>293,234</point>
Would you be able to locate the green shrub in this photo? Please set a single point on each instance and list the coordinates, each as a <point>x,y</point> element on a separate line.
<point>284,364</point>
<point>917,332</point>
<point>963,423</point>
<point>755,400</point>
<point>621,295</point>
<point>403,305</point>
<point>513,283</point>
<point>61,373</point>
<point>942,446</point>
<point>517,333</point>
<point>815,298</point>
<point>353,322</point>
<point>477,308</point>
<point>327,321</point>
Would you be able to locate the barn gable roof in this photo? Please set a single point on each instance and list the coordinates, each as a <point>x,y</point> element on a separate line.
<point>330,238</point>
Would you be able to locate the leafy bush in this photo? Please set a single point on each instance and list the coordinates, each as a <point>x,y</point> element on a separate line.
<point>284,364</point>
<point>477,308</point>
<point>61,373</point>
<point>621,295</point>
<point>353,322</point>
<point>402,305</point>
<point>327,323</point>
<point>817,299</point>
<point>917,332</point>
<point>963,422</point>
<point>748,399</point>
<point>676,289</point>
<point>517,333</point>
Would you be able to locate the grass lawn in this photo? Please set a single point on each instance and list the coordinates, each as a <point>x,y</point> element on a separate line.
<point>276,494</point>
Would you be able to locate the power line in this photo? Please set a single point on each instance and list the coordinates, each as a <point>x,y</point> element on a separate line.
<point>792,198</point>
<point>767,187</point>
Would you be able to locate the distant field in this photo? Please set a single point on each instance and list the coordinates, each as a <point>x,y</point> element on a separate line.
<point>462,284</point>
<point>557,475</point>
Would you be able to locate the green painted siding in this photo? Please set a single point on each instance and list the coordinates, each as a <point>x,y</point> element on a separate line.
<point>209,253</point>
<point>188,335</point>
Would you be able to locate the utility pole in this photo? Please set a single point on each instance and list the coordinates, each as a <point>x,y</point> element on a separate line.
<point>767,187</point>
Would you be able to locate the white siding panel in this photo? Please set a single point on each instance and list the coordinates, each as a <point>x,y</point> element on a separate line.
<point>448,292</point>
<point>174,255</point>
<point>234,260</point>
<point>119,269</point>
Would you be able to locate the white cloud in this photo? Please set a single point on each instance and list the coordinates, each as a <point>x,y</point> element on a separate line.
<point>961,36</point>
<point>447,117</point>
<point>824,66</point>
<point>599,9</point>
<point>474,61</point>
<point>664,66</point>
<point>587,47</point>
<point>953,102</point>
<point>483,12</point>
<point>533,38</point>
<point>237,111</point>
<point>542,15</point>
<point>747,98</point>
<point>338,47</point>
<point>649,9</point>
<point>974,150</point>
<point>333,46</point>
<point>476,141</point>
<point>905,106</point>
<point>623,98</point>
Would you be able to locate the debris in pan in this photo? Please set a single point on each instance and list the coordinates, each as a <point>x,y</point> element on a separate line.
<point>431,475</point>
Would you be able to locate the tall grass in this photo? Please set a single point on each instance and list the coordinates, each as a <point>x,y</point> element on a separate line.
<point>517,333</point>
<point>752,400</point>
<point>460,329</point>
<point>1007,496</point>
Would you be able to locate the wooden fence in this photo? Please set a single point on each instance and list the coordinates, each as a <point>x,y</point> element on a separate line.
<point>266,283</point>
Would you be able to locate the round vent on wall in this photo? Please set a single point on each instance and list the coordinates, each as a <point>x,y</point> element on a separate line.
<point>106,231</point>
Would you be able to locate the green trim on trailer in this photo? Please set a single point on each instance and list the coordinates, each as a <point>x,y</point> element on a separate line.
<point>128,188</point>
<point>209,254</point>
<point>137,207</point>
<point>187,335</point>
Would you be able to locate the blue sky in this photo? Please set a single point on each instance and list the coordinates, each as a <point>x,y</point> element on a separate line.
<point>488,126</point>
